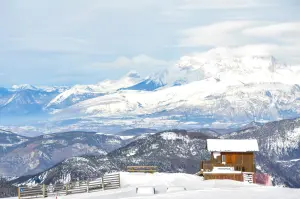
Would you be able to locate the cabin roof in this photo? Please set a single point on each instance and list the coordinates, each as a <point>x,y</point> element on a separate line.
<point>228,145</point>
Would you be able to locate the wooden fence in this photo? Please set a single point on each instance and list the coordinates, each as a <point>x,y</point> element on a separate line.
<point>108,181</point>
<point>222,176</point>
<point>142,169</point>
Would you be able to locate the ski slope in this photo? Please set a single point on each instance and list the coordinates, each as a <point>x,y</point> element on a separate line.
<point>195,188</point>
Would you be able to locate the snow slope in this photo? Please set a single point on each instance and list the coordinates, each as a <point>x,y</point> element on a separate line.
<point>151,82</point>
<point>208,89</point>
<point>222,65</point>
<point>82,92</point>
<point>22,87</point>
<point>195,188</point>
<point>26,100</point>
<point>194,102</point>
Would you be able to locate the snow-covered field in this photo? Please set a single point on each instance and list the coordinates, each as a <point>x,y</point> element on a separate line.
<point>195,188</point>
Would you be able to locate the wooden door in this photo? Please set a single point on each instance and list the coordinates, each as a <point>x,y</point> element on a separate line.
<point>230,158</point>
<point>233,158</point>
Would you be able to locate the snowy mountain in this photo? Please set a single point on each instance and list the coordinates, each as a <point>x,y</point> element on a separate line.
<point>222,65</point>
<point>279,149</point>
<point>215,89</point>
<point>136,131</point>
<point>170,151</point>
<point>42,152</point>
<point>26,100</point>
<point>194,103</point>
<point>279,140</point>
<point>150,83</point>
<point>80,93</point>
<point>81,168</point>
<point>210,90</point>
<point>5,95</point>
<point>23,87</point>
<point>9,140</point>
<point>4,91</point>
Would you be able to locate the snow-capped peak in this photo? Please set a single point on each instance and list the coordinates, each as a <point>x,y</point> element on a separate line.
<point>49,89</point>
<point>23,87</point>
<point>82,92</point>
<point>160,78</point>
<point>53,88</point>
<point>232,68</point>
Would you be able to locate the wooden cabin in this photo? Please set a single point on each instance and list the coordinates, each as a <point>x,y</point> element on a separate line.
<point>230,159</point>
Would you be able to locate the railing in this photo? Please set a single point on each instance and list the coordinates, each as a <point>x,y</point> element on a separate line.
<point>108,181</point>
<point>208,165</point>
<point>142,169</point>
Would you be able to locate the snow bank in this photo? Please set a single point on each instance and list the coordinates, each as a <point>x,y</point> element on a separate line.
<point>160,180</point>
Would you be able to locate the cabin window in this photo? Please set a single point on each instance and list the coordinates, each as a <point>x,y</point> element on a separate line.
<point>223,158</point>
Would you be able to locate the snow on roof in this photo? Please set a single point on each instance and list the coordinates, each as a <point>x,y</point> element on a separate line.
<point>215,145</point>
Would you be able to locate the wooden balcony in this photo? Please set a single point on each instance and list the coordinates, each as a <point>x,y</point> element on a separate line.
<point>208,165</point>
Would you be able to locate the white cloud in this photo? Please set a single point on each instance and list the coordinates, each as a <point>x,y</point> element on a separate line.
<point>222,4</point>
<point>143,64</point>
<point>247,50</point>
<point>284,33</point>
<point>255,50</point>
<point>250,37</point>
<point>139,61</point>
<point>217,34</point>
<point>53,39</point>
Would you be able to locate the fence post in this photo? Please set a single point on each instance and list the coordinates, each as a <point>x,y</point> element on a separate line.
<point>19,193</point>
<point>67,189</point>
<point>44,190</point>
<point>87,186</point>
<point>103,183</point>
<point>119,180</point>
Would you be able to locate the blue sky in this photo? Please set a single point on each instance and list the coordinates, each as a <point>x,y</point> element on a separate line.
<point>66,42</point>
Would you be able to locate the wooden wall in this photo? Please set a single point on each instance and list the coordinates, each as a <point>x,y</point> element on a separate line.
<point>242,161</point>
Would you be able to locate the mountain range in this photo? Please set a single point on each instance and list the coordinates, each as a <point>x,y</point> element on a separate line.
<point>182,151</point>
<point>211,90</point>
<point>27,155</point>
